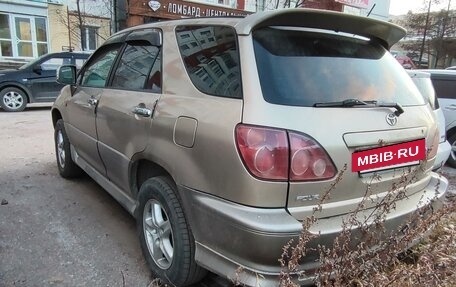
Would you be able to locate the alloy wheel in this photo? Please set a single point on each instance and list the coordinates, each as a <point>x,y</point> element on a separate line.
<point>60,149</point>
<point>13,100</point>
<point>158,234</point>
<point>453,151</point>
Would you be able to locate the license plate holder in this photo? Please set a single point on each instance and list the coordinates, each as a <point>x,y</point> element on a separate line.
<point>389,157</point>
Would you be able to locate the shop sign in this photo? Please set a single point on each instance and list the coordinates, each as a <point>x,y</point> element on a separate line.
<point>183,9</point>
<point>363,4</point>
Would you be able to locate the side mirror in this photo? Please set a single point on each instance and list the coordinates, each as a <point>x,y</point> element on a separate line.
<point>66,75</point>
<point>37,69</point>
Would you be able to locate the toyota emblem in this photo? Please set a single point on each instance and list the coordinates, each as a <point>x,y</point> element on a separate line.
<point>391,119</point>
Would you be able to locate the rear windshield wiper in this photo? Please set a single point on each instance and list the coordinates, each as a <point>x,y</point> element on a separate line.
<point>355,102</point>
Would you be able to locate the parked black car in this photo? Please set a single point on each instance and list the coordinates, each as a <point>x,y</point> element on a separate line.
<point>35,81</point>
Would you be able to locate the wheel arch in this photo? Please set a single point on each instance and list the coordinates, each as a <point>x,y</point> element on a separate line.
<point>21,87</point>
<point>451,132</point>
<point>143,169</point>
<point>56,115</point>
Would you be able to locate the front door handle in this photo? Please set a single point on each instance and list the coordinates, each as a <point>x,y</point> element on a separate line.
<point>141,110</point>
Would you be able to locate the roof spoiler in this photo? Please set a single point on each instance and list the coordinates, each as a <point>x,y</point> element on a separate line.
<point>386,33</point>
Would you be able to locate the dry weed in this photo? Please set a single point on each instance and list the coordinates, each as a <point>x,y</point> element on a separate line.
<point>366,254</point>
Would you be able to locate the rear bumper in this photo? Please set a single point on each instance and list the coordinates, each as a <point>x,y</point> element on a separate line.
<point>443,153</point>
<point>229,235</point>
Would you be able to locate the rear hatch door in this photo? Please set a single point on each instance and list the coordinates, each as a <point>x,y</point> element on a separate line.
<point>349,95</point>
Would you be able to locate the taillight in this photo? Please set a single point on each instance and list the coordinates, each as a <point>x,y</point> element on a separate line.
<point>309,161</point>
<point>432,149</point>
<point>264,151</point>
<point>271,154</point>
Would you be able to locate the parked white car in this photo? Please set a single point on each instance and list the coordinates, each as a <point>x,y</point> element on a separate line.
<point>423,81</point>
<point>444,82</point>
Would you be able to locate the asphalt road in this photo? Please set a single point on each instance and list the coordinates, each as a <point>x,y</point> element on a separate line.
<point>57,232</point>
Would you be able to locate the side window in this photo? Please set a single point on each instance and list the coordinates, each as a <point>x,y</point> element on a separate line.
<point>53,63</point>
<point>97,71</point>
<point>211,58</point>
<point>139,68</point>
<point>445,88</point>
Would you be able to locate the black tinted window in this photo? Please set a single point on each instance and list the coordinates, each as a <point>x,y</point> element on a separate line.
<point>445,88</point>
<point>139,68</point>
<point>301,68</point>
<point>211,57</point>
<point>97,71</point>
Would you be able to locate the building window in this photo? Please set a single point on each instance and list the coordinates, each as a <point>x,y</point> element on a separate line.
<point>41,36</point>
<point>23,36</point>
<point>89,38</point>
<point>6,48</point>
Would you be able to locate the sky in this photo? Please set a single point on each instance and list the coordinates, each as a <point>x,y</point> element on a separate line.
<point>401,7</point>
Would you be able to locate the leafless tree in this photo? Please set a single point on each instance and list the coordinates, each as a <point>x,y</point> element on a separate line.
<point>76,21</point>
<point>431,32</point>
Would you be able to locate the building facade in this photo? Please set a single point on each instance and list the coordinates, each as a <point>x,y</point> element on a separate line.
<point>145,11</point>
<point>24,29</point>
<point>31,28</point>
<point>71,32</point>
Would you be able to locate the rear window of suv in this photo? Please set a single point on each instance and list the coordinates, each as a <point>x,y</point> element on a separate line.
<point>303,67</point>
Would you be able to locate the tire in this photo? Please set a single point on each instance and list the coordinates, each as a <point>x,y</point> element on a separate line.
<point>452,158</point>
<point>13,99</point>
<point>165,237</point>
<point>66,165</point>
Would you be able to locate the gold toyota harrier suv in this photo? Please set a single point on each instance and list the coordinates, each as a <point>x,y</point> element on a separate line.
<point>220,135</point>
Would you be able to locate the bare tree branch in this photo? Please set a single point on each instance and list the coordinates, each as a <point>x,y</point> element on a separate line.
<point>430,33</point>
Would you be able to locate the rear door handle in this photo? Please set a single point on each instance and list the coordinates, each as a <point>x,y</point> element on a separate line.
<point>141,110</point>
<point>92,101</point>
<point>450,107</point>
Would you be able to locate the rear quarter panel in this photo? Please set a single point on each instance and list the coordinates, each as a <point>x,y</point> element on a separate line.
<point>212,165</point>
